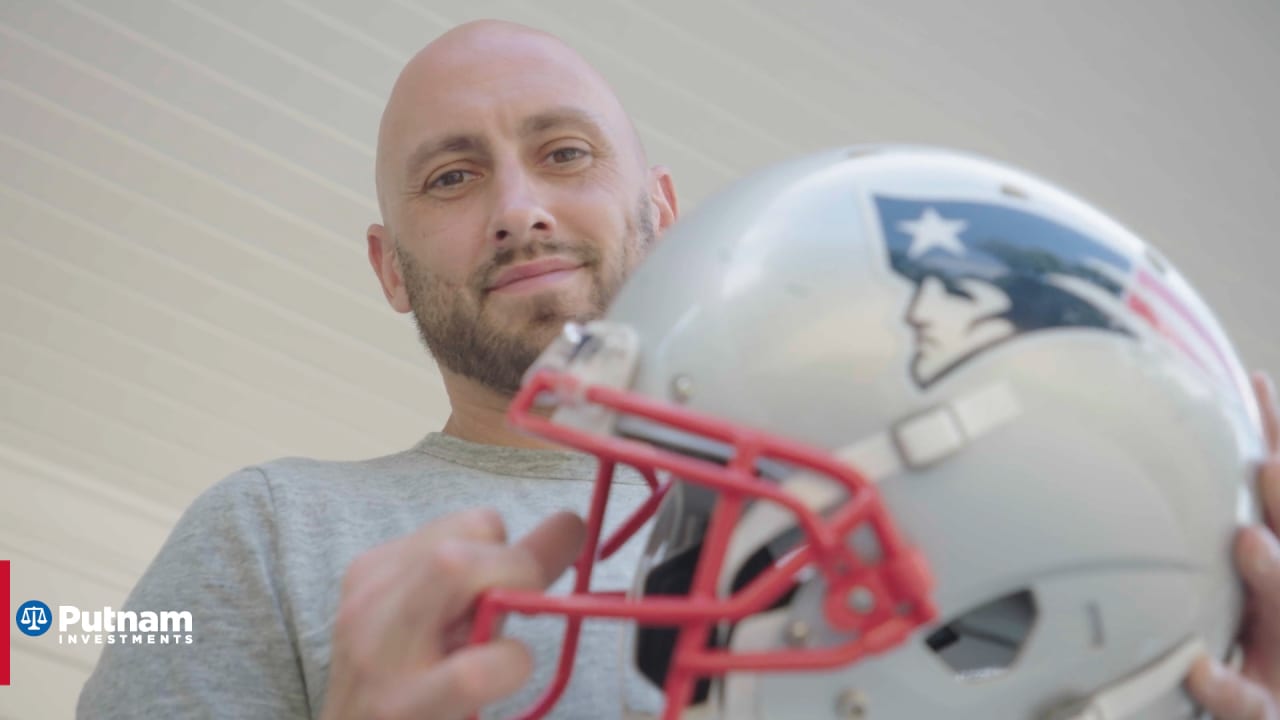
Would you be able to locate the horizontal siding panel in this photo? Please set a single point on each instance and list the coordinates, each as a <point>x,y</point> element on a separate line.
<point>80,455</point>
<point>315,342</point>
<point>77,530</point>
<point>343,107</point>
<point>128,315</point>
<point>290,427</point>
<point>127,403</point>
<point>200,91</point>
<point>878,106</point>
<point>110,304</point>
<point>173,468</point>
<point>35,577</point>
<point>339,50</point>
<point>45,687</point>
<point>186,136</point>
<point>19,455</point>
<point>402,27</point>
<point>284,243</point>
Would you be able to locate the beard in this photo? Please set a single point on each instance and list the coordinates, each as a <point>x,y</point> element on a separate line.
<point>465,339</point>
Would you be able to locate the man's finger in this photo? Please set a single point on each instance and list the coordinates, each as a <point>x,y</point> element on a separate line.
<point>401,582</point>
<point>531,564</point>
<point>1265,390</point>
<point>1258,558</point>
<point>475,524</point>
<point>441,590</point>
<point>473,568</point>
<point>385,566</point>
<point>555,544</point>
<point>462,683</point>
<point>1269,491</point>
<point>1226,694</point>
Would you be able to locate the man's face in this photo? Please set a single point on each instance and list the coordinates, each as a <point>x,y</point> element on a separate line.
<point>521,202</point>
<point>492,332</point>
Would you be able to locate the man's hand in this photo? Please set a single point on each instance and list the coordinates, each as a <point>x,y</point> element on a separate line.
<point>405,607</point>
<point>1253,693</point>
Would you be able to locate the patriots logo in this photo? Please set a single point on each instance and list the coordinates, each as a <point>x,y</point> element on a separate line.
<point>986,274</point>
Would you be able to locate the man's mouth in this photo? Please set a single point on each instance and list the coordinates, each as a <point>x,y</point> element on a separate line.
<point>533,275</point>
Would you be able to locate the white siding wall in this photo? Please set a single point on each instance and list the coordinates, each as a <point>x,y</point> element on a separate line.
<point>186,184</point>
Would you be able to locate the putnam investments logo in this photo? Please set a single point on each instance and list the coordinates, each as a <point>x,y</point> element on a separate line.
<point>106,626</point>
<point>87,627</point>
<point>90,627</point>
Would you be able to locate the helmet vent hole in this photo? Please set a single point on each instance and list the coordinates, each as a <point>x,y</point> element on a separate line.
<point>1097,637</point>
<point>1014,191</point>
<point>984,642</point>
<point>863,541</point>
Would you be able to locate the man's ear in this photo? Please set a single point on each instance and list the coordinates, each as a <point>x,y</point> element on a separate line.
<point>382,257</point>
<point>662,191</point>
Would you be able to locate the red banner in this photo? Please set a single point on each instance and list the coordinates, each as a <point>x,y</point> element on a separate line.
<point>5,622</point>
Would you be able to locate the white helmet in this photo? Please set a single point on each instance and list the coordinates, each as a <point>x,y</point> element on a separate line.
<point>930,438</point>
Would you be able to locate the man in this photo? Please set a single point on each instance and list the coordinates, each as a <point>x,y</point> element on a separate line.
<point>515,195</point>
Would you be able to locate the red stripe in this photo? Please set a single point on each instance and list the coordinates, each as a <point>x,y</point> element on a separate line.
<point>5,622</point>
<point>1151,283</point>
<point>1140,306</point>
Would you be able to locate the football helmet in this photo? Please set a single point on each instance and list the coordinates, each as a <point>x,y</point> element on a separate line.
<point>927,436</point>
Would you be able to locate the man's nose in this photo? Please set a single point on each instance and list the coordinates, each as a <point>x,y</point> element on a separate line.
<point>519,215</point>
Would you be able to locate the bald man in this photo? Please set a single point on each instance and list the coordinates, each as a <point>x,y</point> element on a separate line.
<point>515,196</point>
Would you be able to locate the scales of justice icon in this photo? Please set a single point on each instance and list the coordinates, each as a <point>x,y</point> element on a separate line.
<point>33,618</point>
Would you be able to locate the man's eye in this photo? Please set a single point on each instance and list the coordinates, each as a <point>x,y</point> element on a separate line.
<point>567,155</point>
<point>453,177</point>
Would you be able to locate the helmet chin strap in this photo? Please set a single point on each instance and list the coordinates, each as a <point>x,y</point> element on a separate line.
<point>1123,699</point>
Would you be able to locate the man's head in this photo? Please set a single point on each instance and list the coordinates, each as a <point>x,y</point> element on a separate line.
<point>515,196</point>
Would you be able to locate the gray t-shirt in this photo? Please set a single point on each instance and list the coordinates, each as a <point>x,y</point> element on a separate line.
<point>258,559</point>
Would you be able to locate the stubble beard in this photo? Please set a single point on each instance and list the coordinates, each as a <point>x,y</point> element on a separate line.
<point>455,323</point>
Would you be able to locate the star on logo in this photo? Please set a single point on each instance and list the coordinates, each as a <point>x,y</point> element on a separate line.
<point>933,231</point>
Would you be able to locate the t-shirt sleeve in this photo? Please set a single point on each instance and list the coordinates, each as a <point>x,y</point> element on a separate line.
<point>219,564</point>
